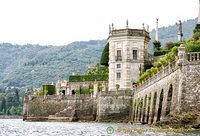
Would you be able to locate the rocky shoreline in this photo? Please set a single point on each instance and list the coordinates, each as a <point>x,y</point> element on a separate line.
<point>189,120</point>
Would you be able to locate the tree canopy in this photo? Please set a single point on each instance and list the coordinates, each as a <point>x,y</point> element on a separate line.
<point>105,55</point>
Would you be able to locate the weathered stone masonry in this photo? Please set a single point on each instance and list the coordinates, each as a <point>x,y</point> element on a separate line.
<point>175,89</point>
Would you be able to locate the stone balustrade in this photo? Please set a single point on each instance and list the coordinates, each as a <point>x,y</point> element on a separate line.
<point>193,56</point>
<point>160,75</point>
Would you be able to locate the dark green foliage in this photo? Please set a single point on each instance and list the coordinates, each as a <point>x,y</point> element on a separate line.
<point>192,48</point>
<point>170,45</point>
<point>105,55</point>
<point>197,28</point>
<point>11,102</point>
<point>156,45</point>
<point>159,53</point>
<point>147,65</point>
<point>50,88</point>
<point>85,78</point>
<point>3,104</point>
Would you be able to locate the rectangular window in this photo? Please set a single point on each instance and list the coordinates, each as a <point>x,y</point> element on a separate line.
<point>119,55</point>
<point>118,65</point>
<point>118,75</point>
<point>134,54</point>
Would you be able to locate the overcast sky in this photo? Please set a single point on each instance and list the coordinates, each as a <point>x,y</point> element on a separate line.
<point>60,22</point>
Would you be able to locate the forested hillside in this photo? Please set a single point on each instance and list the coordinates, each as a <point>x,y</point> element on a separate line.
<point>33,65</point>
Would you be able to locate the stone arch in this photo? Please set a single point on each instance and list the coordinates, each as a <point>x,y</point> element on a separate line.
<point>148,108</point>
<point>144,110</point>
<point>154,107</point>
<point>169,99</point>
<point>73,92</point>
<point>160,105</point>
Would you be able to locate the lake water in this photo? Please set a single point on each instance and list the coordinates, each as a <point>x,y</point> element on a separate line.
<point>17,127</point>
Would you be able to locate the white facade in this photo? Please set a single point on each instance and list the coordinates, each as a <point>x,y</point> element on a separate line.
<point>128,49</point>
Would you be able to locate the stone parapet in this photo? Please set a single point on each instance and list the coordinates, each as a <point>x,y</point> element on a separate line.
<point>159,76</point>
<point>129,32</point>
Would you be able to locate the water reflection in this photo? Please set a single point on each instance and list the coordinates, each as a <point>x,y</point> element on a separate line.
<point>17,127</point>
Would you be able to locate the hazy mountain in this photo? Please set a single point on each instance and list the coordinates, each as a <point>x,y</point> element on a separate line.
<point>32,65</point>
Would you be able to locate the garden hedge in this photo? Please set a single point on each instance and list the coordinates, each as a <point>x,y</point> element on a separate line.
<point>85,78</point>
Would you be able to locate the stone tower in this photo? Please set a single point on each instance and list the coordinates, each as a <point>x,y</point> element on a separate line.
<point>128,49</point>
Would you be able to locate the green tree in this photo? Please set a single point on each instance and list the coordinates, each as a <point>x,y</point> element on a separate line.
<point>105,55</point>
<point>170,45</point>
<point>157,45</point>
<point>11,100</point>
<point>3,104</point>
<point>197,28</point>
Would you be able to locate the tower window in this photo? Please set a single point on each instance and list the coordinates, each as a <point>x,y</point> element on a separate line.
<point>118,65</point>
<point>134,54</point>
<point>118,75</point>
<point>119,57</point>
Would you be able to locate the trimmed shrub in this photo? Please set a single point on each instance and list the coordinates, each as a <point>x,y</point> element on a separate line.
<point>105,55</point>
<point>51,89</point>
<point>85,78</point>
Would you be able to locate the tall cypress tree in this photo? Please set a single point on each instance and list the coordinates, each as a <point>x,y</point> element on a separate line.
<point>105,55</point>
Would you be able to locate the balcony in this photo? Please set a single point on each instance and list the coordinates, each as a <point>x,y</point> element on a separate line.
<point>118,58</point>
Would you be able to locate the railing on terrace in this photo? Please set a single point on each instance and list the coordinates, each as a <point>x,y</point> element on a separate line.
<point>63,97</point>
<point>193,56</point>
<point>160,74</point>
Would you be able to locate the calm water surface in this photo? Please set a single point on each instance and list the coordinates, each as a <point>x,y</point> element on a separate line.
<point>17,127</point>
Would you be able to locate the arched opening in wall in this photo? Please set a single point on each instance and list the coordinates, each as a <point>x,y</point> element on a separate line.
<point>140,106</point>
<point>73,92</point>
<point>154,107</point>
<point>169,99</point>
<point>148,109</point>
<point>144,110</point>
<point>63,92</point>
<point>160,105</point>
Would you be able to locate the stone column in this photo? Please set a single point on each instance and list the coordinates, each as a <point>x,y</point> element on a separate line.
<point>157,106</point>
<point>136,108</point>
<point>180,32</point>
<point>151,108</point>
<point>156,37</point>
<point>104,86</point>
<point>95,88</point>
<point>164,104</point>
<point>147,104</point>
<point>181,55</point>
<point>142,115</point>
